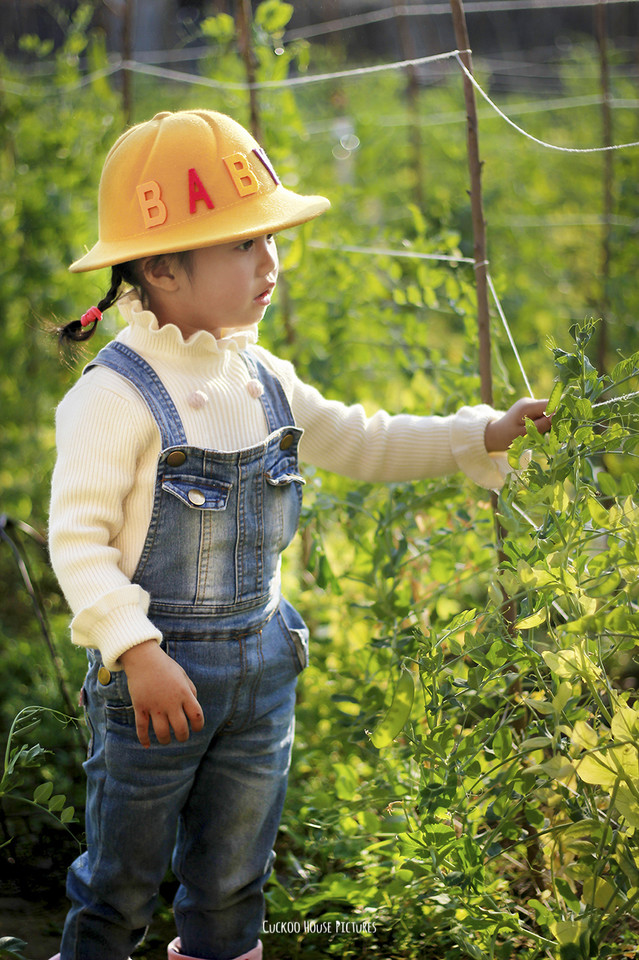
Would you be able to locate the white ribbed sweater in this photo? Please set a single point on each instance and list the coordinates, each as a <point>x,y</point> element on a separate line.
<point>108,445</point>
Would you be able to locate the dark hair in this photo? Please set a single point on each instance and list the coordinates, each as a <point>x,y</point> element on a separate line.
<point>121,274</point>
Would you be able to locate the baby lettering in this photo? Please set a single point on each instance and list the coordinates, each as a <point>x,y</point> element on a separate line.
<point>154,208</point>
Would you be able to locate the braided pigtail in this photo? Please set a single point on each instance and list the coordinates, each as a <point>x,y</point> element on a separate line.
<point>78,330</point>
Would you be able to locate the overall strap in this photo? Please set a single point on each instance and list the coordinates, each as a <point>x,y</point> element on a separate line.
<point>276,407</point>
<point>143,377</point>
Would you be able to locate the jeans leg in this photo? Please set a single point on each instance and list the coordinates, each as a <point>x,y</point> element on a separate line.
<point>134,797</point>
<point>227,830</point>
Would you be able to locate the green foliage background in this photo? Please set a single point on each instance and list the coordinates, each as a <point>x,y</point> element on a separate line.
<point>494,810</point>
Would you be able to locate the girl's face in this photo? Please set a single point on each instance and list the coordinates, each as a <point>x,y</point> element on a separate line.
<point>227,285</point>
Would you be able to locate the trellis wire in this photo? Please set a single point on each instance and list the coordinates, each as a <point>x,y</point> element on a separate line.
<point>179,76</point>
<point>289,81</point>
<point>542,143</point>
<point>502,316</point>
<point>431,9</point>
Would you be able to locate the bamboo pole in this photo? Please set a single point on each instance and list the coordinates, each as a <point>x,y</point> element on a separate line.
<point>243,21</point>
<point>608,180</point>
<point>481,258</point>
<point>534,852</point>
<point>476,203</point>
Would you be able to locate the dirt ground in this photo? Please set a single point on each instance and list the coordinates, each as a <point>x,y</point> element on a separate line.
<point>39,924</point>
<point>33,904</point>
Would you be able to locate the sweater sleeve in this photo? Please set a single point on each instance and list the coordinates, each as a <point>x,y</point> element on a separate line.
<point>382,447</point>
<point>99,437</point>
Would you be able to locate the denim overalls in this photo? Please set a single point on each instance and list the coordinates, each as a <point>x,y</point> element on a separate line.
<point>211,564</point>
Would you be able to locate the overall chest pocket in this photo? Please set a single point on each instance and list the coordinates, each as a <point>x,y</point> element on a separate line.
<point>199,493</point>
<point>283,501</point>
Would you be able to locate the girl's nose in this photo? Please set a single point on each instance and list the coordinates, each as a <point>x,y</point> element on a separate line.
<point>269,260</point>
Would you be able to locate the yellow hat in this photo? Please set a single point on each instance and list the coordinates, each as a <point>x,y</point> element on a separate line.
<point>186,180</point>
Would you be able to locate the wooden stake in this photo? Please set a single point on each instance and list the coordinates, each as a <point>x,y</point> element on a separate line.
<point>481,257</point>
<point>243,21</point>
<point>608,177</point>
<point>476,203</point>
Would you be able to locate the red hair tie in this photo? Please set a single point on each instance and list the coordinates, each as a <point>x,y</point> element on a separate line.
<point>92,314</point>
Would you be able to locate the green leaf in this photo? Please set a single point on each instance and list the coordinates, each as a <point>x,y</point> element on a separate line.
<point>273,16</point>
<point>398,712</point>
<point>602,894</point>
<point>11,947</point>
<point>220,29</point>
<point>535,743</point>
<point>607,484</point>
<point>42,793</point>
<point>598,513</point>
<point>532,620</point>
<point>584,736</point>
<point>502,742</point>
<point>67,814</point>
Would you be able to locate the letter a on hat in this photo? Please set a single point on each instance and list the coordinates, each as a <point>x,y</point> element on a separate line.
<point>197,191</point>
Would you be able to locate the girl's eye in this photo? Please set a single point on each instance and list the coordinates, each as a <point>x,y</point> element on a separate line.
<point>247,244</point>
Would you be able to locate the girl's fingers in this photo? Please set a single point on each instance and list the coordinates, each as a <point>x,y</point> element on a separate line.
<point>142,727</point>
<point>195,714</point>
<point>162,728</point>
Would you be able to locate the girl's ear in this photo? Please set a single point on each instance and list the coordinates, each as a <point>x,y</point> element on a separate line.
<point>160,272</point>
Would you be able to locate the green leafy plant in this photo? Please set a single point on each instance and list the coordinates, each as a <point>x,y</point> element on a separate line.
<point>20,757</point>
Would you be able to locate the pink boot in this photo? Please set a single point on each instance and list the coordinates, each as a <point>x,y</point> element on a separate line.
<point>174,952</point>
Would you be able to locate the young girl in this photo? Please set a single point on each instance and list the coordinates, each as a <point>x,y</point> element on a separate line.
<point>175,492</point>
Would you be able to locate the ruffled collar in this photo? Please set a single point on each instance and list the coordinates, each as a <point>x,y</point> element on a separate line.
<point>143,333</point>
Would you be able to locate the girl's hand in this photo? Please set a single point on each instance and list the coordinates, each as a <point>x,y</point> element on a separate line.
<point>501,433</point>
<point>160,692</point>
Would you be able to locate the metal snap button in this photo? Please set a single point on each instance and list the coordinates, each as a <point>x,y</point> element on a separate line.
<point>176,458</point>
<point>104,676</point>
<point>286,441</point>
<point>196,497</point>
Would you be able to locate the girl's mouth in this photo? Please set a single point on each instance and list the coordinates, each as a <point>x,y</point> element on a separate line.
<point>264,298</point>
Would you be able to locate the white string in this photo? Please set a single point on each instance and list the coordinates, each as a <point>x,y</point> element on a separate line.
<point>606,403</point>
<point>137,67</point>
<point>418,10</point>
<point>162,72</point>
<point>543,143</point>
<point>502,316</point>
<point>134,66</point>
<point>383,252</point>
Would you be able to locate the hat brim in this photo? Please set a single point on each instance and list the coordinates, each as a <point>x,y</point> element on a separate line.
<point>277,211</point>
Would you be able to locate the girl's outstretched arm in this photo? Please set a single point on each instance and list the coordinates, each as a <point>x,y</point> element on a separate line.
<point>500,433</point>
<point>161,692</point>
